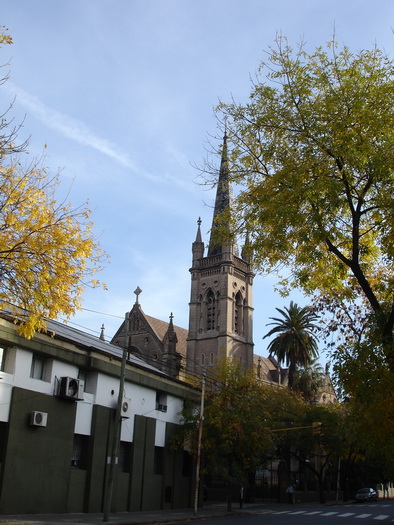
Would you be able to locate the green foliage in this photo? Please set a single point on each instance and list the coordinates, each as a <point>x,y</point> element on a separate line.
<point>317,440</point>
<point>308,380</point>
<point>367,385</point>
<point>313,154</point>
<point>239,418</point>
<point>295,342</point>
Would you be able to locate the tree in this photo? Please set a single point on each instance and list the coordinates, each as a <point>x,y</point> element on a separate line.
<point>308,380</point>
<point>367,385</point>
<point>318,446</point>
<point>240,413</point>
<point>48,253</point>
<point>313,154</point>
<point>295,342</point>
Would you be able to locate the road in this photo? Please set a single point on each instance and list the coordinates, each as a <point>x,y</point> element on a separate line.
<point>309,514</point>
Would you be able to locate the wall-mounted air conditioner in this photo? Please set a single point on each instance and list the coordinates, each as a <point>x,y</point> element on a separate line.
<point>125,411</point>
<point>38,419</point>
<point>71,388</point>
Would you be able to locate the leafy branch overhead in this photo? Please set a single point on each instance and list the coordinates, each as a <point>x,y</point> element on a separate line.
<point>313,154</point>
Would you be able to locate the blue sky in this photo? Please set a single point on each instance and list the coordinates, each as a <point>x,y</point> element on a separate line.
<point>122,92</point>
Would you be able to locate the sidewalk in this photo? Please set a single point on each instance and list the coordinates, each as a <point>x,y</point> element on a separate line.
<point>154,517</point>
<point>129,518</point>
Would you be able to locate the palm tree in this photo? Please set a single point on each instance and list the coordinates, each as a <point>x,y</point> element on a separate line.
<point>295,342</point>
<point>308,380</point>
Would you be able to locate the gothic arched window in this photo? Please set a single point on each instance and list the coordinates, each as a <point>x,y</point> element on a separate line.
<point>239,314</point>
<point>211,310</point>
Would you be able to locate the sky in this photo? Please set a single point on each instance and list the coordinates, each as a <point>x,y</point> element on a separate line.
<point>122,93</point>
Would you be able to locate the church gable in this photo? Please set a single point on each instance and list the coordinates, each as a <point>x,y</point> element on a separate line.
<point>160,328</point>
<point>159,343</point>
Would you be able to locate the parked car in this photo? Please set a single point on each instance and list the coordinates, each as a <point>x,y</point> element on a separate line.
<point>366,494</point>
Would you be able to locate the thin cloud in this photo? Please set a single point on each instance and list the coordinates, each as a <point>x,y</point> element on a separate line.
<point>73,129</point>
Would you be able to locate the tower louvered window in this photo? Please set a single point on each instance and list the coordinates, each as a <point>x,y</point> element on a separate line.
<point>211,311</point>
<point>239,314</point>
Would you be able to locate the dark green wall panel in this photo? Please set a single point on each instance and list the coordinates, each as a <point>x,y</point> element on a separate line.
<point>37,464</point>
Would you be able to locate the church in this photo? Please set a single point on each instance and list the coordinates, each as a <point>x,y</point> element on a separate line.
<point>220,307</point>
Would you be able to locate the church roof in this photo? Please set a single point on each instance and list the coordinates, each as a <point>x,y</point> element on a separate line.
<point>160,328</point>
<point>269,369</point>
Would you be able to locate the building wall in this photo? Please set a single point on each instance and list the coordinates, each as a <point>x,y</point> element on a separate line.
<point>38,469</point>
<point>228,278</point>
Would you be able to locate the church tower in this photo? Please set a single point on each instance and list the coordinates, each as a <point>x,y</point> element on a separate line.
<point>221,313</point>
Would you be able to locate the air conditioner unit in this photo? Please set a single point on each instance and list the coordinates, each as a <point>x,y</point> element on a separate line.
<point>125,411</point>
<point>70,388</point>
<point>38,419</point>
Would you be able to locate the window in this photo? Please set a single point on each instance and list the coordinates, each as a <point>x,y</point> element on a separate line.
<point>125,456</point>
<point>37,368</point>
<point>161,401</point>
<point>238,314</point>
<point>211,360</point>
<point>3,353</point>
<point>202,359</point>
<point>79,458</point>
<point>158,461</point>
<point>211,311</point>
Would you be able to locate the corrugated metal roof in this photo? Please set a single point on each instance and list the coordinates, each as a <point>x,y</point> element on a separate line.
<point>79,338</point>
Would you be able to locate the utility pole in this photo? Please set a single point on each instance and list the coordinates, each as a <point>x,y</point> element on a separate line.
<point>199,443</point>
<point>113,459</point>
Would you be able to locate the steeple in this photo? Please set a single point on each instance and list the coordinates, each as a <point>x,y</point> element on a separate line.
<point>220,307</point>
<point>223,203</point>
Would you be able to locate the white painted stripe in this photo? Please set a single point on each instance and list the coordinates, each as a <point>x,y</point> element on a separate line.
<point>346,514</point>
<point>381,517</point>
<point>361,516</point>
<point>281,512</point>
<point>313,513</point>
<point>297,512</point>
<point>329,513</point>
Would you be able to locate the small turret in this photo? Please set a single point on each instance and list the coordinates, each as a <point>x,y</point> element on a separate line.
<point>171,359</point>
<point>246,253</point>
<point>198,245</point>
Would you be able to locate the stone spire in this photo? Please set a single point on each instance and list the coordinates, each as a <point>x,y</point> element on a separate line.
<point>223,202</point>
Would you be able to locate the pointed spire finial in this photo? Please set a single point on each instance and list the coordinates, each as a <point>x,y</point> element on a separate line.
<point>102,336</point>
<point>198,236</point>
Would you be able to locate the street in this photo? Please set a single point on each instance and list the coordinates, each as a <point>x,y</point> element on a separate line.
<point>312,514</point>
